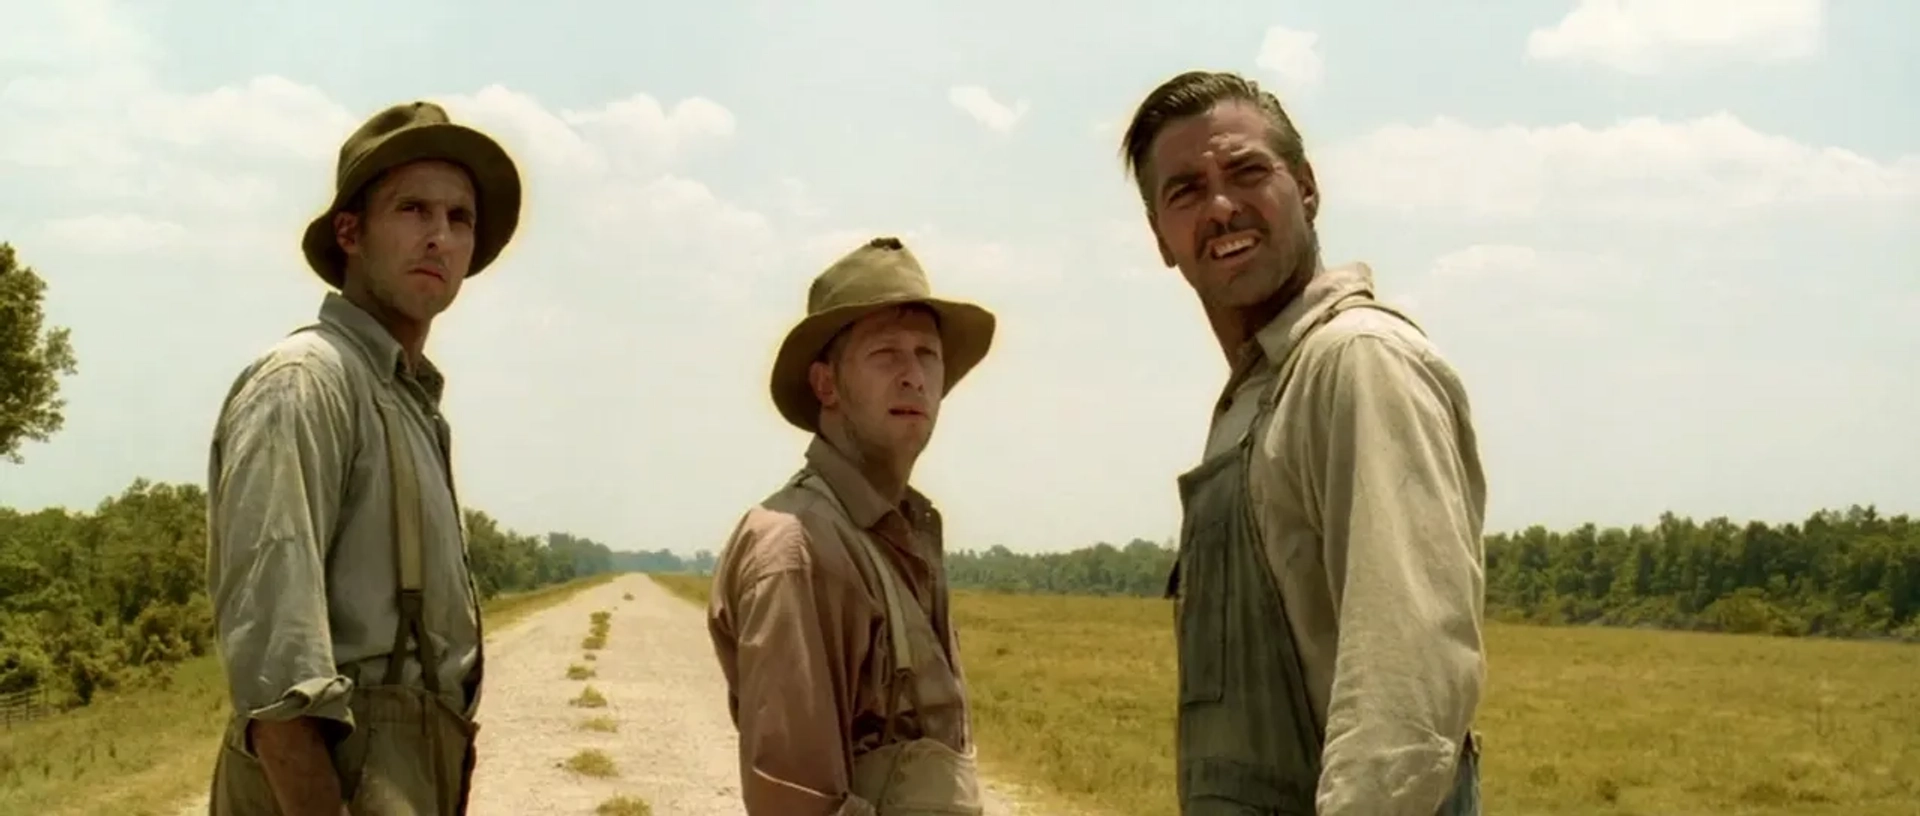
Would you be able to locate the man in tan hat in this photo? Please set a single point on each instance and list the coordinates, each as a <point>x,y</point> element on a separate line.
<point>347,620</point>
<point>829,606</point>
<point>1330,582</point>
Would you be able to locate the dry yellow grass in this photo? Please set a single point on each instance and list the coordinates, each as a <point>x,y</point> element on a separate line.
<point>1074,696</point>
<point>605,725</point>
<point>579,672</point>
<point>592,762</point>
<point>140,753</point>
<point>624,806</point>
<point>590,697</point>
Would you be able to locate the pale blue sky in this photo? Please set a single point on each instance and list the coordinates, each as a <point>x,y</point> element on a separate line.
<point>1672,248</point>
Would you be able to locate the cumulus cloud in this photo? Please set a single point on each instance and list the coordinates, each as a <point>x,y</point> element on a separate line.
<point>1550,292</point>
<point>1710,168</point>
<point>1293,58</point>
<point>991,113</point>
<point>1650,36</point>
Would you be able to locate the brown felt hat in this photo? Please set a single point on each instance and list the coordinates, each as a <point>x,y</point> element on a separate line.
<point>410,132</point>
<point>877,275</point>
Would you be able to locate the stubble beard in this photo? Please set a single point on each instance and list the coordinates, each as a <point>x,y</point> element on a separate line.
<point>882,460</point>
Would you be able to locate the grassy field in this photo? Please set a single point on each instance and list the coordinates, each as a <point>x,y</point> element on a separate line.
<point>144,752</point>
<point>1073,695</point>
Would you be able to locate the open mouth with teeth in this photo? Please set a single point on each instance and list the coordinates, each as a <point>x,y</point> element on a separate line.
<point>1232,246</point>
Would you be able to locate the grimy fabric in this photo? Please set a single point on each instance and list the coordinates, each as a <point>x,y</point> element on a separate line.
<point>278,563</point>
<point>904,777</point>
<point>799,623</point>
<point>1331,548</point>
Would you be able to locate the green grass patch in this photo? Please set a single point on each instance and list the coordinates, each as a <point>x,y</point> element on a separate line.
<point>592,762</point>
<point>605,725</point>
<point>590,697</point>
<point>624,806</point>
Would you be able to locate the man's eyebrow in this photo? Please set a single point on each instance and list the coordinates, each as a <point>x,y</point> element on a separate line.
<point>1182,177</point>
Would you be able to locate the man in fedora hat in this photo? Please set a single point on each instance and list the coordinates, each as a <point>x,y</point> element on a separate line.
<point>1329,587</point>
<point>829,606</point>
<point>336,562</point>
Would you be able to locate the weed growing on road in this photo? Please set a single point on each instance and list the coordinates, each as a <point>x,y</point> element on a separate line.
<point>589,656</point>
<point>628,596</point>
<point>624,806</point>
<point>590,697</point>
<point>592,762</point>
<point>597,634</point>
<point>605,725</point>
<point>579,672</point>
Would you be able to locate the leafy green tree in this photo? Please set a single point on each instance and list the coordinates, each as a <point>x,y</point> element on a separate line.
<point>32,360</point>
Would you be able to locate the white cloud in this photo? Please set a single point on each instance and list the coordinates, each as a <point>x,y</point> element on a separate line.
<point>1551,292</point>
<point>1292,57</point>
<point>121,234</point>
<point>978,103</point>
<point>1707,169</point>
<point>1650,36</point>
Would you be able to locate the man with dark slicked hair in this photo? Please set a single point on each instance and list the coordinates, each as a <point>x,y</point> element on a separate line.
<point>1330,582</point>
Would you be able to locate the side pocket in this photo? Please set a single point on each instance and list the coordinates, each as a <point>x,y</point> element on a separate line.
<point>1201,614</point>
<point>350,759</point>
<point>240,784</point>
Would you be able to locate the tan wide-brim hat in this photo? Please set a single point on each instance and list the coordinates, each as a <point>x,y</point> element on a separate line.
<point>878,275</point>
<point>410,132</point>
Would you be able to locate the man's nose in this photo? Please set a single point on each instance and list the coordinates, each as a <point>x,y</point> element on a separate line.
<point>439,227</point>
<point>913,375</point>
<point>1221,208</point>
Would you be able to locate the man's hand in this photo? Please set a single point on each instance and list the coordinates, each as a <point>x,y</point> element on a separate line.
<point>298,766</point>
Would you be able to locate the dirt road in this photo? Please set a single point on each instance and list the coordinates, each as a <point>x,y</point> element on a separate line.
<point>675,745</point>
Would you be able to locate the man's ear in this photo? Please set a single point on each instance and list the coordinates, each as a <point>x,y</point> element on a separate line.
<point>1309,189</point>
<point>346,231</point>
<point>820,377</point>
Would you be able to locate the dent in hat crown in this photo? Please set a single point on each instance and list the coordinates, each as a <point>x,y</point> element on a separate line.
<point>386,122</point>
<point>881,268</point>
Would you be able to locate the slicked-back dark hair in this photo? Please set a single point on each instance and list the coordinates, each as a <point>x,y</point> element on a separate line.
<point>1192,94</point>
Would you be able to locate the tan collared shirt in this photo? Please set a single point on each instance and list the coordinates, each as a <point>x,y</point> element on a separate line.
<point>1369,496</point>
<point>798,634</point>
<point>301,558</point>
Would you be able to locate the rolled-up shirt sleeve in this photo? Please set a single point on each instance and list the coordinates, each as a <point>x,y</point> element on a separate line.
<point>792,697</point>
<point>281,453</point>
<point>1399,495</point>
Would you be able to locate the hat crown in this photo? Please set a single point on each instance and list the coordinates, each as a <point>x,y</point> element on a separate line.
<point>382,126</point>
<point>881,270</point>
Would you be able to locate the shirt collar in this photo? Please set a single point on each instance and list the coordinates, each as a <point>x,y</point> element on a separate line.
<point>1328,286</point>
<point>388,358</point>
<point>865,506</point>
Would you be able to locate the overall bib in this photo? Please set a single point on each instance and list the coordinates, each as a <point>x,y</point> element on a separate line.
<point>1248,743</point>
<point>914,777</point>
<point>411,752</point>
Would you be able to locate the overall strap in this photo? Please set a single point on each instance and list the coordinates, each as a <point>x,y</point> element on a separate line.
<point>902,674</point>
<point>407,556</point>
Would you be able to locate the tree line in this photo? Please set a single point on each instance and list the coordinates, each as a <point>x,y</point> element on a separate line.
<point>113,598</point>
<point>1851,573</point>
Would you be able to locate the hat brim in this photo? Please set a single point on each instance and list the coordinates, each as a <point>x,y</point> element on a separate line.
<point>966,334</point>
<point>496,184</point>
